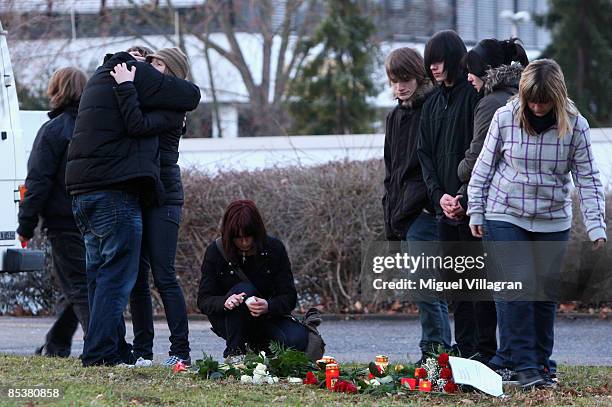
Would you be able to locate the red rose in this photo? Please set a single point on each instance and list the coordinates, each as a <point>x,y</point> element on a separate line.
<point>342,386</point>
<point>310,378</point>
<point>420,373</point>
<point>450,387</point>
<point>443,359</point>
<point>446,373</point>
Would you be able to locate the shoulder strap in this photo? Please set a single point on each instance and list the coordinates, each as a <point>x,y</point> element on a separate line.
<point>236,268</point>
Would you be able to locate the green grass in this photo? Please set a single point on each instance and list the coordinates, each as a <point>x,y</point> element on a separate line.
<point>103,386</point>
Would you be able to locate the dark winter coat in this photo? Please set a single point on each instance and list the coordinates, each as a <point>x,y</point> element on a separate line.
<point>500,84</point>
<point>46,194</point>
<point>405,191</point>
<point>101,154</point>
<point>447,124</point>
<point>270,272</point>
<point>138,122</point>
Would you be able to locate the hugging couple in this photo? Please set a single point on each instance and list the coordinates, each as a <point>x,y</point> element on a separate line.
<point>125,182</point>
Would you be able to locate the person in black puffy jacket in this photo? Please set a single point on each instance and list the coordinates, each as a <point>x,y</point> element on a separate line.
<point>247,289</point>
<point>111,174</point>
<point>46,198</point>
<point>160,222</point>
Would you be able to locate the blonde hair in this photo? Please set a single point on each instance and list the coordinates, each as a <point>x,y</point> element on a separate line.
<point>542,81</point>
<point>66,86</point>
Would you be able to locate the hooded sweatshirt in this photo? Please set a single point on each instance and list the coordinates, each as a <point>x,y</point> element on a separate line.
<point>526,179</point>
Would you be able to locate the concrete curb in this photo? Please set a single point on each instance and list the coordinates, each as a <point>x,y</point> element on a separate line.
<point>389,317</point>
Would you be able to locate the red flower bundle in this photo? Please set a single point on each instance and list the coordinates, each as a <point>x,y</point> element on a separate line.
<point>420,373</point>
<point>443,360</point>
<point>445,373</point>
<point>310,378</point>
<point>450,387</point>
<point>343,386</point>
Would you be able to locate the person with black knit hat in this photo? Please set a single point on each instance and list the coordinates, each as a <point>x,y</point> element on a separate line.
<point>160,222</point>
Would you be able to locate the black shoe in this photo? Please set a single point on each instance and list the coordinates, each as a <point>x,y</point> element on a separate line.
<point>550,378</point>
<point>530,378</point>
<point>45,351</point>
<point>508,375</point>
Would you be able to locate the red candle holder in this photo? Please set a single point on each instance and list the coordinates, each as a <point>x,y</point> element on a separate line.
<point>408,382</point>
<point>332,372</point>
<point>424,385</point>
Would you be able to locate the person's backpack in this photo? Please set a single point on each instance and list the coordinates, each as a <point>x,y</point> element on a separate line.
<point>311,320</point>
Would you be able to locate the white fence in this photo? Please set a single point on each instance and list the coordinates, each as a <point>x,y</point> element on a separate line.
<point>249,153</point>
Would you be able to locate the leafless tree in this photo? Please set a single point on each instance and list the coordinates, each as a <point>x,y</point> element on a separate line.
<point>268,96</point>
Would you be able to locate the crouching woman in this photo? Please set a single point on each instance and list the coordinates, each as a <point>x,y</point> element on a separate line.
<point>247,288</point>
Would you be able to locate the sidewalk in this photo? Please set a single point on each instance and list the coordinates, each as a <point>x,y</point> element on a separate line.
<point>583,341</point>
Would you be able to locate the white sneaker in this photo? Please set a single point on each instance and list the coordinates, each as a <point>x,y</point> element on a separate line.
<point>142,362</point>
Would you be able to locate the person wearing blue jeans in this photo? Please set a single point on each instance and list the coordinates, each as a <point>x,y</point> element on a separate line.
<point>519,192</point>
<point>433,315</point>
<point>523,324</point>
<point>239,326</point>
<point>247,289</point>
<point>406,206</point>
<point>111,224</point>
<point>161,221</point>
<point>110,174</point>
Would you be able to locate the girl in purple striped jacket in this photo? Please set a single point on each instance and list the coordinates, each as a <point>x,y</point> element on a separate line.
<point>519,192</point>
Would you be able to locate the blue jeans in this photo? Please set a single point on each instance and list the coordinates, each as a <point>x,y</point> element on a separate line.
<point>111,224</point>
<point>238,327</point>
<point>433,315</point>
<point>526,328</point>
<point>159,239</point>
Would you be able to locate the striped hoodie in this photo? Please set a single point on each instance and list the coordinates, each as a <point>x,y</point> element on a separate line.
<point>525,180</point>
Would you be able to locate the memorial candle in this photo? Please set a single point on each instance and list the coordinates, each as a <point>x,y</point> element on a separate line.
<point>424,385</point>
<point>332,372</point>
<point>408,382</point>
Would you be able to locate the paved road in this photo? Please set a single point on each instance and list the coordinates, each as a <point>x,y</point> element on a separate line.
<point>578,342</point>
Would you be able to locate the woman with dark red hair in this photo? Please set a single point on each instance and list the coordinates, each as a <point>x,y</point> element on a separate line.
<point>247,288</point>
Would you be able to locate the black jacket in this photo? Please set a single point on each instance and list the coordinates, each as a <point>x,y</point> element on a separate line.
<point>271,275</point>
<point>138,122</point>
<point>405,191</point>
<point>101,154</point>
<point>447,124</point>
<point>500,84</point>
<point>46,188</point>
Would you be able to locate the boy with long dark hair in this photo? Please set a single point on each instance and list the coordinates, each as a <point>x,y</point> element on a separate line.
<point>445,134</point>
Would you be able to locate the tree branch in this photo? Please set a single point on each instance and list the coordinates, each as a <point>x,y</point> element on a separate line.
<point>279,85</point>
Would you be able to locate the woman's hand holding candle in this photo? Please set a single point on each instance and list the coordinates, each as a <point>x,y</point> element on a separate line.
<point>257,306</point>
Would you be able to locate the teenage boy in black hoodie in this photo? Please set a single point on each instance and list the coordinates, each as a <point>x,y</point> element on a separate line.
<point>446,132</point>
<point>409,214</point>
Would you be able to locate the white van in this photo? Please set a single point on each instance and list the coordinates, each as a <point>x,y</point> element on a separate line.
<point>13,258</point>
